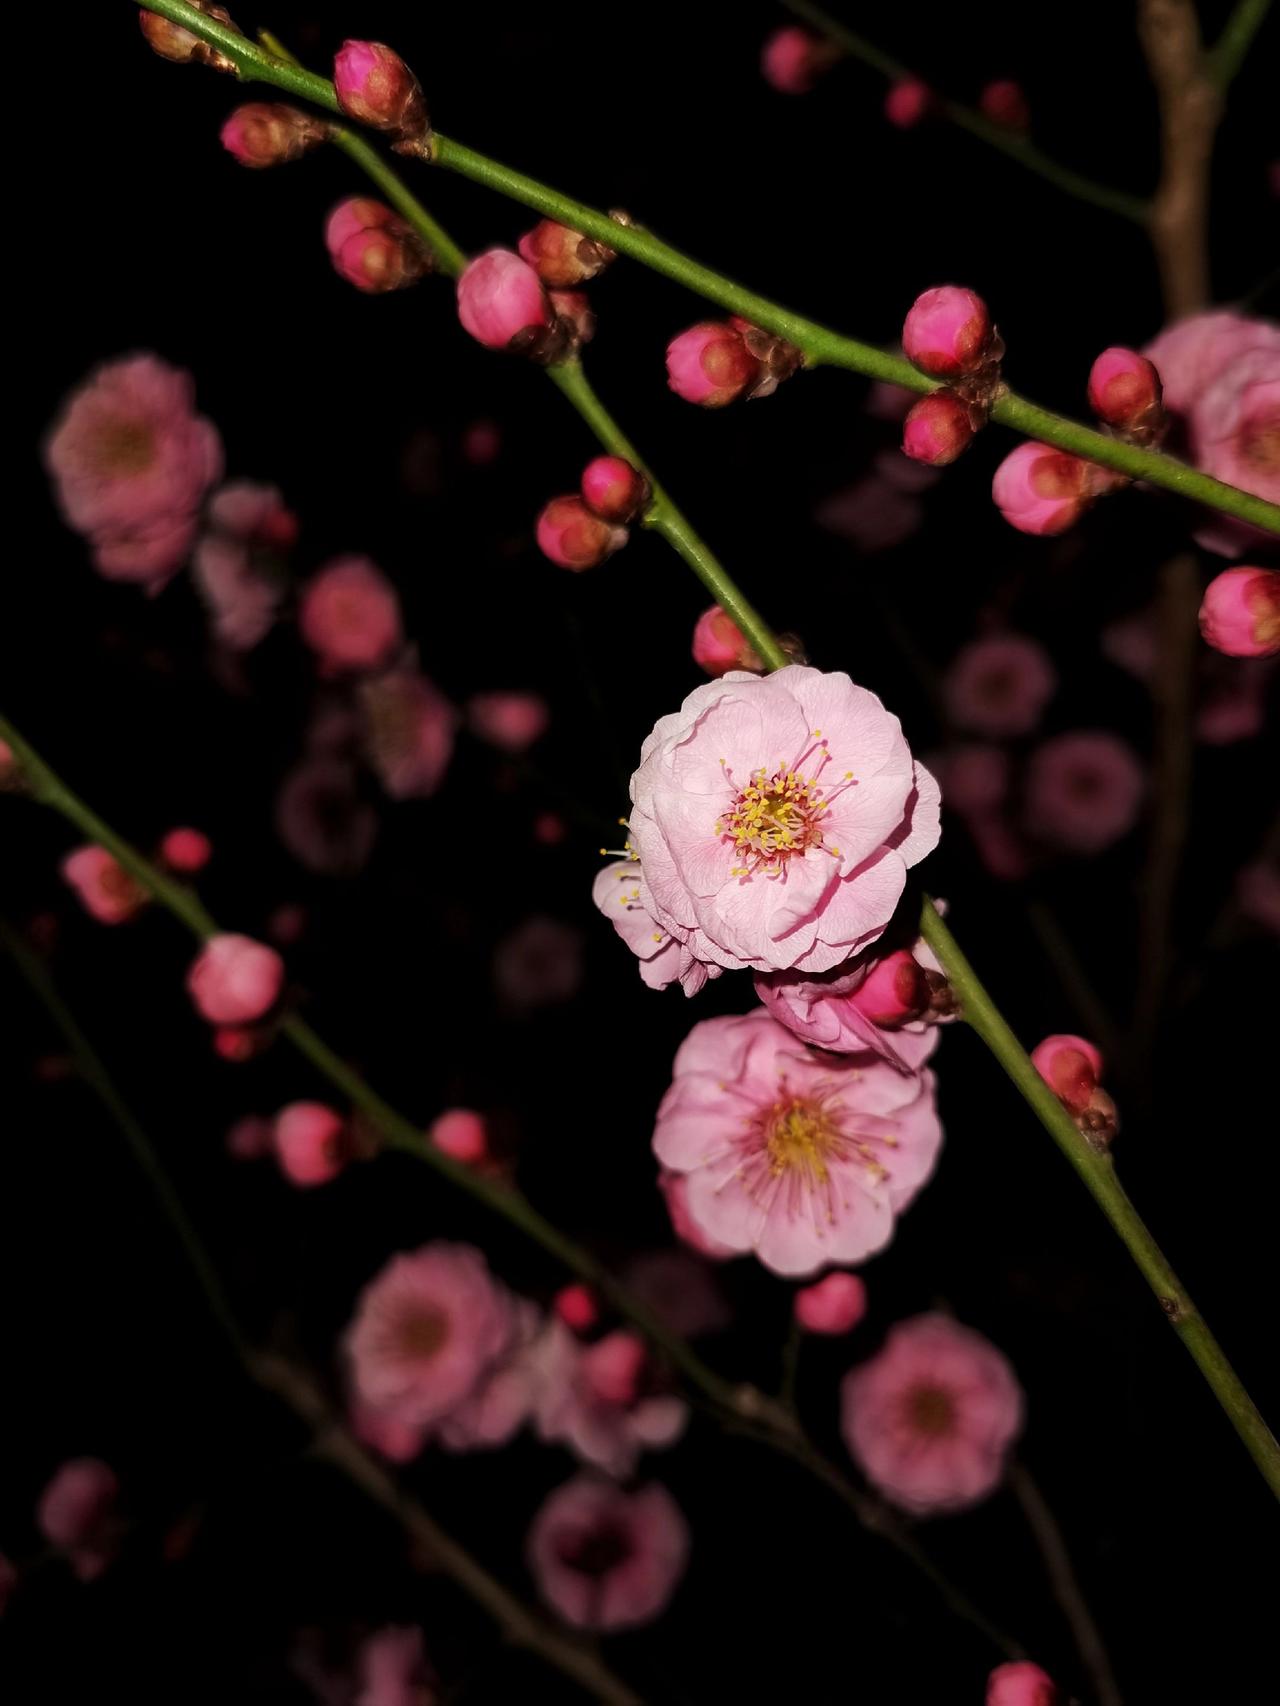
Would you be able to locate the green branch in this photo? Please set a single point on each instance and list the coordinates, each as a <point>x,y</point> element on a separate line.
<point>819,343</point>
<point>1231,49</point>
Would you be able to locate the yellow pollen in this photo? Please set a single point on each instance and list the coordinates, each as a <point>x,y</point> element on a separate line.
<point>801,1139</point>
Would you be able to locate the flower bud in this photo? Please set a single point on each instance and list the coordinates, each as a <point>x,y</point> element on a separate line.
<point>571,536</point>
<point>1004,103</point>
<point>895,991</point>
<point>372,247</point>
<point>613,1368</point>
<point>613,489</point>
<point>907,102</point>
<point>268,133</point>
<point>563,258</point>
<point>1071,1067</point>
<point>1042,490</point>
<point>793,59</point>
<point>375,87</point>
<point>833,1305</point>
<point>1240,614</point>
<point>502,303</point>
<point>310,1142</point>
<point>720,645</point>
<point>577,1307</point>
<point>235,980</point>
<point>186,850</point>
<point>948,332</point>
<point>710,364</point>
<point>172,42</point>
<point>1022,1684</point>
<point>460,1133</point>
<point>1124,388</point>
<point>937,429</point>
<point>108,892</point>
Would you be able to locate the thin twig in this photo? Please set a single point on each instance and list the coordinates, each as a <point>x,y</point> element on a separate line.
<point>1190,107</point>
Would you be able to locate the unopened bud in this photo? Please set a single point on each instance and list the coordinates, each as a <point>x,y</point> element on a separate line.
<point>1071,1066</point>
<point>375,87</point>
<point>577,1307</point>
<point>832,1306</point>
<point>894,992</point>
<point>502,303</point>
<point>793,59</point>
<point>1042,490</point>
<point>1022,1684</point>
<point>907,102</point>
<point>372,247</point>
<point>720,645</point>
<point>1124,390</point>
<point>172,42</point>
<point>563,258</point>
<point>460,1133</point>
<point>948,332</point>
<point>1005,104</point>
<point>938,428</point>
<point>613,489</point>
<point>710,364</point>
<point>575,320</point>
<point>186,850</point>
<point>571,536</point>
<point>310,1142</point>
<point>268,133</point>
<point>1240,613</point>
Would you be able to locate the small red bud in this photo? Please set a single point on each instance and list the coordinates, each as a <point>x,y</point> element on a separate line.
<point>571,536</point>
<point>613,489</point>
<point>577,1307</point>
<point>563,258</point>
<point>720,645</point>
<point>1124,388</point>
<point>937,429</point>
<point>372,247</point>
<point>267,133</point>
<point>907,102</point>
<point>375,86</point>
<point>948,332</point>
<point>1004,103</point>
<point>895,992</point>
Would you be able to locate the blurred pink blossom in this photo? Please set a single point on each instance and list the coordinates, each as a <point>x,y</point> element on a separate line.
<point>606,1559</point>
<point>77,1514</point>
<point>999,686</point>
<point>1083,790</point>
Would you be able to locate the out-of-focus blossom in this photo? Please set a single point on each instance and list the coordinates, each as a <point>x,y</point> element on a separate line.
<point>237,563</point>
<point>999,686</point>
<point>392,1670</point>
<point>1083,790</point>
<point>680,1289</point>
<point>460,1133</point>
<point>831,1306</point>
<point>793,59</point>
<point>409,729</point>
<point>883,508</point>
<point>186,850</point>
<point>930,1418</point>
<point>907,102</point>
<point>1022,1683</point>
<point>311,1142</point>
<point>510,721</point>
<point>105,888</point>
<point>77,1514</point>
<point>1258,893</point>
<point>597,1399</point>
<point>249,1138</point>
<point>606,1559</point>
<point>804,1158</point>
<point>538,964</point>
<point>322,819</point>
<point>350,616</point>
<point>235,980</point>
<point>1004,103</point>
<point>577,1307</point>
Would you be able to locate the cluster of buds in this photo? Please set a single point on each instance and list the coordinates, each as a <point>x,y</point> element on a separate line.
<point>718,361</point>
<point>374,86</point>
<point>268,133</point>
<point>372,247</point>
<point>948,334</point>
<point>505,305</point>
<point>1126,395</point>
<point>171,41</point>
<point>563,258</point>
<point>1071,1067</point>
<point>1240,612</point>
<point>578,531</point>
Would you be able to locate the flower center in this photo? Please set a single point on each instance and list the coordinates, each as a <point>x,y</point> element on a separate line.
<point>772,818</point>
<point>593,1551</point>
<point>801,1137</point>
<point>123,447</point>
<point>420,1332</point>
<point>930,1410</point>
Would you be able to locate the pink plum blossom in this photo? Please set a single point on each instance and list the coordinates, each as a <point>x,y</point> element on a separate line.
<point>235,980</point>
<point>1191,353</point>
<point>804,1158</point>
<point>1234,703</point>
<point>616,891</point>
<point>999,686</point>
<point>311,1143</point>
<point>883,508</point>
<point>235,565</point>
<point>675,1193</point>
<point>77,1514</point>
<point>409,729</point>
<point>831,1306</point>
<point>775,819</point>
<point>1022,1683</point>
<point>607,1559</point>
<point>947,331</point>
<point>392,1670</point>
<point>428,1329</point>
<point>396,1440</point>
<point>1071,1066</point>
<point>710,364</point>
<point>249,1138</point>
<point>1083,790</point>
<point>1240,612</point>
<point>501,300</point>
<point>508,1392</point>
<point>131,462</point>
<point>510,721</point>
<point>680,1289</point>
<point>930,1418</point>
<point>350,616</point>
<point>107,891</point>
<point>974,778</point>
<point>1124,387</point>
<point>719,645</point>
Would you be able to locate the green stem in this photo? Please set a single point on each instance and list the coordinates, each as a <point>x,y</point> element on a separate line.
<point>1098,1173</point>
<point>743,1406</point>
<point>819,343</point>
<point>1009,142</point>
<point>1229,52</point>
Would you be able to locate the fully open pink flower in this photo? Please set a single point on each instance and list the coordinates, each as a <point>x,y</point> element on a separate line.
<point>999,686</point>
<point>235,980</point>
<point>930,1418</point>
<point>804,1158</point>
<point>775,819</point>
<point>77,1514</point>
<point>507,1394</point>
<point>663,960</point>
<point>605,1559</point>
<point>1083,790</point>
<point>350,616</point>
<point>1190,354</point>
<point>105,888</point>
<point>132,461</point>
<point>409,730</point>
<point>427,1331</point>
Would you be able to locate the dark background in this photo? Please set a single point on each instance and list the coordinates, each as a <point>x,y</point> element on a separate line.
<point>141,234</point>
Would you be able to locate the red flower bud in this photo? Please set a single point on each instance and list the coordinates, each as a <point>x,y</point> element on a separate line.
<point>571,536</point>
<point>267,133</point>
<point>563,258</point>
<point>937,429</point>
<point>375,86</point>
<point>613,489</point>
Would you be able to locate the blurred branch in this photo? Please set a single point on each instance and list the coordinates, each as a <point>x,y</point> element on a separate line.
<point>818,343</point>
<point>1007,141</point>
<point>1231,49</point>
<point>1190,107</point>
<point>1052,1543</point>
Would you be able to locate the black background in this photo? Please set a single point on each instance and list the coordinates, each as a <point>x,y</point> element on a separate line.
<point>139,233</point>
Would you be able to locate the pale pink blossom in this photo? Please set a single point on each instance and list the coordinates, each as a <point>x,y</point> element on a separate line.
<point>507,1394</point>
<point>1132,642</point>
<point>311,1143</point>
<point>1240,612</point>
<point>510,721</point>
<point>675,1193</point>
<point>235,980</point>
<point>131,462</point>
<point>322,819</point>
<point>606,1559</point>
<point>598,1399</point>
<point>873,1003</point>
<point>501,301</point>
<point>349,615</point>
<point>710,364</point>
<point>719,645</point>
<point>775,820</point>
<point>832,1306</point>
<point>931,1417</point>
<point>1083,790</point>
<point>883,508</point>
<point>974,778</point>
<point>538,963</point>
<point>77,1514</point>
<point>254,513</point>
<point>1022,1683</point>
<point>1191,353</point>
<point>947,331</point>
<point>186,850</point>
<point>999,686</point>
<point>428,1329</point>
<point>616,891</point>
<point>409,729</point>
<point>392,1669</point>
<point>107,891</point>
<point>804,1158</point>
